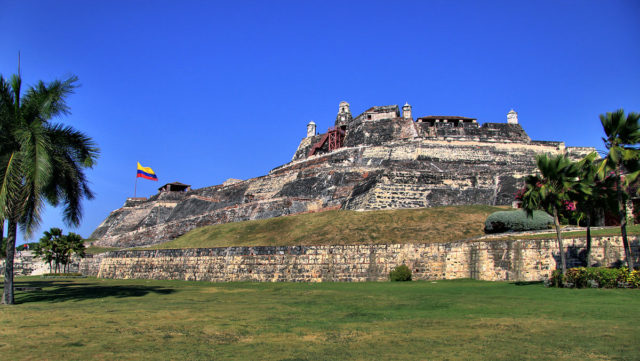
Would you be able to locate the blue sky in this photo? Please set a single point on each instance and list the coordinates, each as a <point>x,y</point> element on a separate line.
<point>202,91</point>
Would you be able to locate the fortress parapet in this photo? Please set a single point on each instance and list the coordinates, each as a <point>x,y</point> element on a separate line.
<point>382,124</point>
<point>133,201</point>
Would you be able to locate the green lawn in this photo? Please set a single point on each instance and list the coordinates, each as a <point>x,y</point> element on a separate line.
<point>422,225</point>
<point>91,318</point>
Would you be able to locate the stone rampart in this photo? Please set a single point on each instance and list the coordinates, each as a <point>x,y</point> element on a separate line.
<point>517,260</point>
<point>26,263</point>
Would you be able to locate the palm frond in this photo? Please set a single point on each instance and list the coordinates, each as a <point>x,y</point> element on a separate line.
<point>45,101</point>
<point>10,186</point>
<point>36,171</point>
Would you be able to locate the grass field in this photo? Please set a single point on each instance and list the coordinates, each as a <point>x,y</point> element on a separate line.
<point>90,318</point>
<point>424,225</point>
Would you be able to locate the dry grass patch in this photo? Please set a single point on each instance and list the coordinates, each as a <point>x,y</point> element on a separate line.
<point>424,225</point>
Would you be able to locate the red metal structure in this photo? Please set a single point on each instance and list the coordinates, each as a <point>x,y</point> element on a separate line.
<point>335,137</point>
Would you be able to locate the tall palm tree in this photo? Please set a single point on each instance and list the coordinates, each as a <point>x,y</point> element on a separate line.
<point>623,162</point>
<point>40,161</point>
<point>599,197</point>
<point>552,191</point>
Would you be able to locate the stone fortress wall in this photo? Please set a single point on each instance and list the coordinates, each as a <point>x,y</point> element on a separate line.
<point>517,260</point>
<point>26,263</point>
<point>383,160</point>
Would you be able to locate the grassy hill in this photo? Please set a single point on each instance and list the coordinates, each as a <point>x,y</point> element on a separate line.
<point>439,224</point>
<point>423,225</point>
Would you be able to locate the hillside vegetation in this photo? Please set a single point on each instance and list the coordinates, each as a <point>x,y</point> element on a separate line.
<point>424,225</point>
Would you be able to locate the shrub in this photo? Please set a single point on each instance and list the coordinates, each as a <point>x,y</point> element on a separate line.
<point>634,279</point>
<point>400,273</point>
<point>602,277</point>
<point>517,221</point>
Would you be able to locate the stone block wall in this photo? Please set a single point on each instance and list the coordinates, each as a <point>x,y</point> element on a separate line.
<point>26,263</point>
<point>517,260</point>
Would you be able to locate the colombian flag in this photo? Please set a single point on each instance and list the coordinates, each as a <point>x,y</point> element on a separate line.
<point>146,173</point>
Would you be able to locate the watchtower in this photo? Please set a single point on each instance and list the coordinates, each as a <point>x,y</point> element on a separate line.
<point>406,111</point>
<point>512,117</point>
<point>311,129</point>
<point>344,114</point>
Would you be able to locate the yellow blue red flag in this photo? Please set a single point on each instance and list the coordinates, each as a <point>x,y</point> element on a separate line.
<point>146,173</point>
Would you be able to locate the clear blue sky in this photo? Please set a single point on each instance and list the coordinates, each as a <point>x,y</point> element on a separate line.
<point>202,91</point>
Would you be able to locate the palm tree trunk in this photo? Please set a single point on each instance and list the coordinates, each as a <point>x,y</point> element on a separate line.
<point>588,241</point>
<point>563,260</point>
<point>622,207</point>
<point>7,295</point>
<point>1,233</point>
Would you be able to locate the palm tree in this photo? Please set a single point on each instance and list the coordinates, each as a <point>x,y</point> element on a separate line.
<point>2,251</point>
<point>552,190</point>
<point>40,161</point>
<point>622,162</point>
<point>49,247</point>
<point>598,198</point>
<point>74,244</point>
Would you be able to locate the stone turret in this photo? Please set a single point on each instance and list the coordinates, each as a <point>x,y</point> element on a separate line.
<point>512,117</point>
<point>344,114</point>
<point>406,111</point>
<point>311,129</point>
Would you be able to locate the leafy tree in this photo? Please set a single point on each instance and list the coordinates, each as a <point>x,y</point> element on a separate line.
<point>40,161</point>
<point>622,162</point>
<point>552,191</point>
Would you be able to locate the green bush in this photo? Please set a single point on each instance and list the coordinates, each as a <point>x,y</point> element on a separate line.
<point>517,221</point>
<point>400,273</point>
<point>596,277</point>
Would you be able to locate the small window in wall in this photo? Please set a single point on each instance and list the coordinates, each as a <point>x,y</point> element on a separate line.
<point>368,116</point>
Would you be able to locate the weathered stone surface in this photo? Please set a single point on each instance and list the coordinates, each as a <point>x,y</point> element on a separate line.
<point>517,260</point>
<point>26,263</point>
<point>387,162</point>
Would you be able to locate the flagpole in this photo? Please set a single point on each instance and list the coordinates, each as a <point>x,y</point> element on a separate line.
<point>135,187</point>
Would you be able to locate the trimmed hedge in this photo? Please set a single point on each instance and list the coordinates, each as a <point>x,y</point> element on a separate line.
<point>595,277</point>
<point>400,273</point>
<point>517,221</point>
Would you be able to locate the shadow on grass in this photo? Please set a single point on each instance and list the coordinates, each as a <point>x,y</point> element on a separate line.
<point>61,291</point>
<point>528,283</point>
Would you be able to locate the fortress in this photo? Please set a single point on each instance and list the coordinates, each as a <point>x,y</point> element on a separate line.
<point>380,159</point>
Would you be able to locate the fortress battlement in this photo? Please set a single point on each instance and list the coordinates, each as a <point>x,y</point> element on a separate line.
<point>380,159</point>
